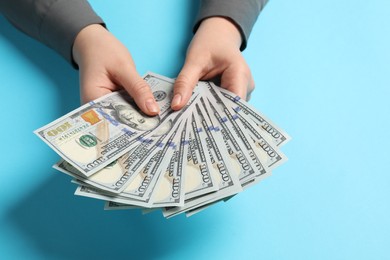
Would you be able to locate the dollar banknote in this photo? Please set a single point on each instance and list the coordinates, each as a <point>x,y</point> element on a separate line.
<point>224,173</point>
<point>184,161</point>
<point>139,191</point>
<point>115,177</point>
<point>237,141</point>
<point>99,132</point>
<point>201,176</point>
<point>274,133</point>
<point>170,190</point>
<point>110,205</point>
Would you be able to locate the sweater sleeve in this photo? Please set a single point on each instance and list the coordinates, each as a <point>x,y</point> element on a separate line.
<point>55,23</point>
<point>243,13</point>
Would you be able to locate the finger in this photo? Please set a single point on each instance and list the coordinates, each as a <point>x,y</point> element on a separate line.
<point>251,87</point>
<point>248,96</point>
<point>93,85</point>
<point>235,82</point>
<point>185,84</point>
<point>138,89</point>
<point>239,81</point>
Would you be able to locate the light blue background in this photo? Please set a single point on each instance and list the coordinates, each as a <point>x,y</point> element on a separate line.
<point>322,73</point>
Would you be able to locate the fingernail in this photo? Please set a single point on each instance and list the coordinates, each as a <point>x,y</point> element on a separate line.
<point>152,106</point>
<point>176,100</point>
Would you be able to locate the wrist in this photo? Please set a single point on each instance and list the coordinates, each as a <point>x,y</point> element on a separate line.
<point>221,28</point>
<point>83,40</point>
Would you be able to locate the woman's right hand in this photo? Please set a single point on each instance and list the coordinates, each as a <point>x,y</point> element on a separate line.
<point>106,65</point>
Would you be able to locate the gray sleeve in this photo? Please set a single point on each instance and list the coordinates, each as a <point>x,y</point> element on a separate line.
<point>243,13</point>
<point>55,23</point>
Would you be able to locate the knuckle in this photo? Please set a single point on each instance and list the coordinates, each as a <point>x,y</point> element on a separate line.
<point>181,82</point>
<point>140,88</point>
<point>182,78</point>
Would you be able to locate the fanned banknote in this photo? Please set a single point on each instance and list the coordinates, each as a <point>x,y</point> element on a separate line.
<point>170,190</point>
<point>274,133</point>
<point>181,161</point>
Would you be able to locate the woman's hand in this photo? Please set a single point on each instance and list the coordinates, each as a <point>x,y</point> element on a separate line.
<point>106,66</point>
<point>214,51</point>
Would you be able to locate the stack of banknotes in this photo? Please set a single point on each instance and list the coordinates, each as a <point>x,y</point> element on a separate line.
<point>179,161</point>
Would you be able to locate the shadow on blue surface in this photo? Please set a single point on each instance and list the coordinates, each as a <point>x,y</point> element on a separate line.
<point>60,225</point>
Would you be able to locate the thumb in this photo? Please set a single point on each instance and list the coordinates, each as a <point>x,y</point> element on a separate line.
<point>139,90</point>
<point>185,84</point>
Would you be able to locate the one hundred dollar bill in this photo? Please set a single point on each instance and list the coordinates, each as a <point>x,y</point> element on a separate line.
<point>271,131</point>
<point>97,133</point>
<point>135,194</point>
<point>227,176</point>
<point>238,143</point>
<point>215,147</point>
<point>91,192</point>
<point>116,176</point>
<point>110,205</point>
<point>268,153</point>
<point>201,207</point>
<point>200,177</point>
<point>264,133</point>
<point>169,190</point>
<point>151,173</point>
